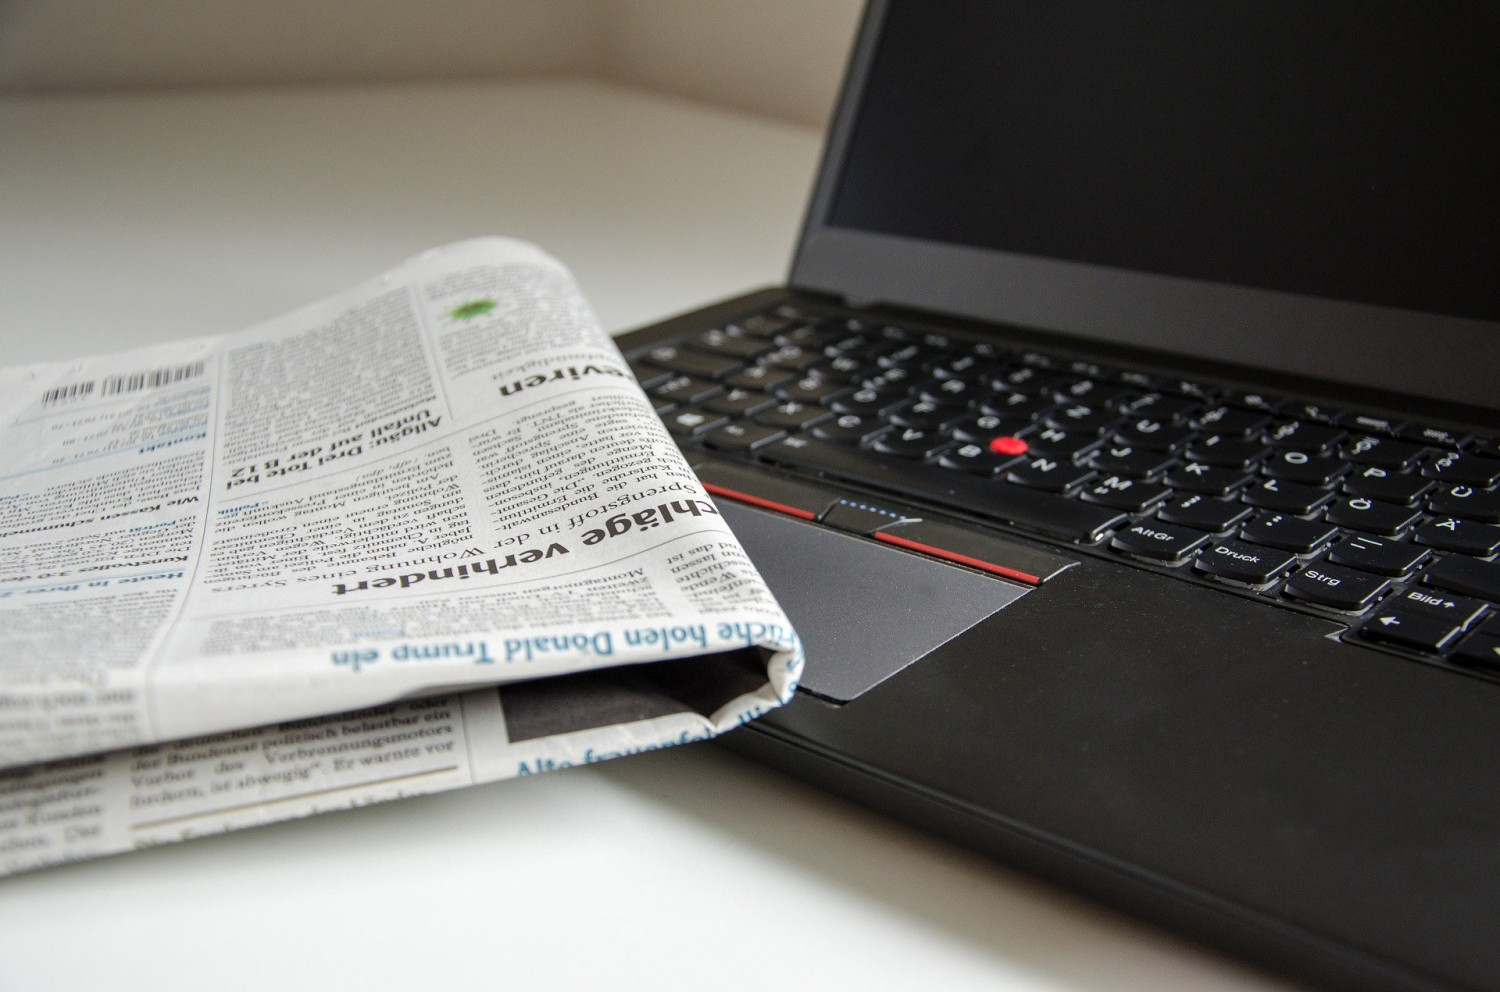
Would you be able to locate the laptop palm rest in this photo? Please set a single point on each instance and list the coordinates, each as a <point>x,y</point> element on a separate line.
<point>864,611</point>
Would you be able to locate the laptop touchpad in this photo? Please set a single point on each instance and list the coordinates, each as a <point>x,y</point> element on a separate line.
<point>863,611</point>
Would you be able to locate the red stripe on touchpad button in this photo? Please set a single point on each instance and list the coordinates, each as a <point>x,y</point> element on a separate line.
<point>956,558</point>
<point>766,504</point>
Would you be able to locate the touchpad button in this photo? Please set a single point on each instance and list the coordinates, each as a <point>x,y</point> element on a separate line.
<point>863,611</point>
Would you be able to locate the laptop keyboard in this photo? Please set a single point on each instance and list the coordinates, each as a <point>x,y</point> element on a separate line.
<point>1393,526</point>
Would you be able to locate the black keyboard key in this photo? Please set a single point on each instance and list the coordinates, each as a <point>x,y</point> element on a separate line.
<point>981,427</point>
<point>692,422</point>
<point>1463,536</point>
<point>844,368</point>
<point>792,416</point>
<point>1097,394</point>
<point>905,356</point>
<point>1037,359</point>
<point>890,379</point>
<point>739,402</point>
<point>1408,630</point>
<point>1465,575</point>
<point>867,402</point>
<point>1056,475</point>
<point>975,458</point>
<point>1144,380</point>
<point>758,377</point>
<point>1301,435</point>
<point>811,389</point>
<point>1312,412</point>
<point>1336,587</point>
<point>1287,497</point>
<point>1123,493</point>
<point>1163,408</point>
<point>1288,533</point>
<point>1239,561</point>
<point>1056,443</point>
<point>1028,508</point>
<point>960,391</point>
<point>964,367</point>
<point>1195,477</point>
<point>855,341</point>
<point>648,375</point>
<point>907,442</point>
<point>1259,402</point>
<point>1299,466</point>
<point>1376,554</point>
<point>1368,449</point>
<point>925,415</point>
<point>1159,541</point>
<point>1124,459</point>
<point>741,437</point>
<point>794,358</point>
<point>1083,419</point>
<point>1371,516</point>
<point>1489,447</point>
<point>1199,390</point>
<point>1382,426</point>
<point>761,325</point>
<point>1437,437</point>
<point>1158,435</point>
<point>1004,403</point>
<point>1467,502</point>
<point>1225,452</point>
<point>1461,611</point>
<point>849,428</point>
<point>811,337</point>
<point>1231,422</point>
<point>1383,484</point>
<point>1025,379</point>
<point>718,342</point>
<point>1089,370</point>
<point>694,363</point>
<point>686,389</point>
<point>1203,513</point>
<point>1464,470</point>
<point>1480,651</point>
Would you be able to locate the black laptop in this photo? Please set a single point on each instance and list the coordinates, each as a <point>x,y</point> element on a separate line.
<point>1125,447</point>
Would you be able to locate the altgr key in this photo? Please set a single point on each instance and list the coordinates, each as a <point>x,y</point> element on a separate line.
<point>1159,541</point>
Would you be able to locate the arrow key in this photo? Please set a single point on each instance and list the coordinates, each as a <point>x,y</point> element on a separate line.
<point>1479,651</point>
<point>1410,630</point>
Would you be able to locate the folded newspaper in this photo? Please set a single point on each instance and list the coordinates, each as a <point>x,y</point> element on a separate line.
<point>437,506</point>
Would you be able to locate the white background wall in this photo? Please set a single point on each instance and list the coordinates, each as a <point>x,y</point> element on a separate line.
<point>780,58</point>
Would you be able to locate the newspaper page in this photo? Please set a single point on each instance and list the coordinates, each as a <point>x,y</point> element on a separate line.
<point>437,506</point>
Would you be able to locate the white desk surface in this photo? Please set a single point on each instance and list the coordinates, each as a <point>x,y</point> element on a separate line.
<point>129,220</point>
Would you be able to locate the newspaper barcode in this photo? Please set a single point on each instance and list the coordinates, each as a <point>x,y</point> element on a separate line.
<point>62,394</point>
<point>150,379</point>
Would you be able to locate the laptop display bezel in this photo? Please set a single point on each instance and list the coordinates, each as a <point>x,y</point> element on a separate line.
<point>1446,358</point>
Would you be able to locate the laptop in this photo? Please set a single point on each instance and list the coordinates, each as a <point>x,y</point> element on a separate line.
<point>1125,448</point>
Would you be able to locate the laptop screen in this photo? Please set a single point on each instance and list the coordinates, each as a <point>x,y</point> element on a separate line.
<point>1303,152</point>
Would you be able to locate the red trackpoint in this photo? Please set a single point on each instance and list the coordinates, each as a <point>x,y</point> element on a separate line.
<point>1008,446</point>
